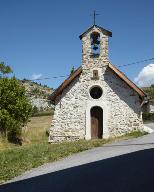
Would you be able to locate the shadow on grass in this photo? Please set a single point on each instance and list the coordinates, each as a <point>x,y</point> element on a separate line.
<point>126,173</point>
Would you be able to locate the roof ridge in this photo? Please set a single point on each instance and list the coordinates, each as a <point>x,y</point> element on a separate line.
<point>109,33</point>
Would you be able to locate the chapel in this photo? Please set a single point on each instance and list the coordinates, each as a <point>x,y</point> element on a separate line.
<point>98,100</point>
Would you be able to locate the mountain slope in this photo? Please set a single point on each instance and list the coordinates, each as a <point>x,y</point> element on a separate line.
<point>38,94</point>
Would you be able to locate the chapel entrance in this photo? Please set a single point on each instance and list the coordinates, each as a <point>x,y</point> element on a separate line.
<point>96,123</point>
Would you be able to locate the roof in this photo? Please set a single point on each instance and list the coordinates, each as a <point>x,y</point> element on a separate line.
<point>78,71</point>
<point>109,33</point>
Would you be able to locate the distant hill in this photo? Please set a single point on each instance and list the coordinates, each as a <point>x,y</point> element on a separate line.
<point>38,94</point>
<point>36,90</point>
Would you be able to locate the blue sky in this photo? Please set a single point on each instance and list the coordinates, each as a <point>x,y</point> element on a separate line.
<point>41,36</point>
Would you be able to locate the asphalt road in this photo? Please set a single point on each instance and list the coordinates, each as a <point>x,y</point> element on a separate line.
<point>151,125</point>
<point>126,166</point>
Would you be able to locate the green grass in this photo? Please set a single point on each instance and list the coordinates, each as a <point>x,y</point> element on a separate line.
<point>16,160</point>
<point>36,129</point>
<point>34,132</point>
<point>43,113</point>
<point>135,134</point>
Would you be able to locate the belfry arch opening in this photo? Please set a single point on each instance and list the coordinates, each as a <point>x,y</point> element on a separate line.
<point>95,44</point>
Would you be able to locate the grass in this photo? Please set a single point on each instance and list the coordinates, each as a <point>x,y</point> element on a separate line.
<point>43,113</point>
<point>35,131</point>
<point>16,160</point>
<point>135,134</point>
<point>36,151</point>
<point>4,144</point>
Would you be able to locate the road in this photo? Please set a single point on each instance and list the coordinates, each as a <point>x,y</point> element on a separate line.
<point>151,125</point>
<point>125,166</point>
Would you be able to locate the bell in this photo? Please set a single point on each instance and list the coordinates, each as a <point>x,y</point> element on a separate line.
<point>97,42</point>
<point>95,47</point>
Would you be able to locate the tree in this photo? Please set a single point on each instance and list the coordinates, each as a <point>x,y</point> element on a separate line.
<point>15,108</point>
<point>152,85</point>
<point>5,69</point>
<point>72,70</point>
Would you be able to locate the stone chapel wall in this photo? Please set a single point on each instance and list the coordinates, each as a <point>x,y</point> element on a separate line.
<point>123,108</point>
<point>124,111</point>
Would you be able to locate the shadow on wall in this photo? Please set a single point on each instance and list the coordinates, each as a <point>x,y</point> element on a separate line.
<point>126,173</point>
<point>114,82</point>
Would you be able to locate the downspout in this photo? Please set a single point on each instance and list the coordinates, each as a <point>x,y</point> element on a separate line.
<point>145,100</point>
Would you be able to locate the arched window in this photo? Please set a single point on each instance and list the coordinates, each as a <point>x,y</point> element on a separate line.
<point>95,43</point>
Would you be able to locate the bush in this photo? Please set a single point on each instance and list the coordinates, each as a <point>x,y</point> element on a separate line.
<point>149,91</point>
<point>148,116</point>
<point>35,91</point>
<point>15,108</point>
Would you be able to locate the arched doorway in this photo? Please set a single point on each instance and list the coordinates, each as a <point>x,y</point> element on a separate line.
<point>96,122</point>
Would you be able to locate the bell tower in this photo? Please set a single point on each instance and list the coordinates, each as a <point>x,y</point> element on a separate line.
<point>95,47</point>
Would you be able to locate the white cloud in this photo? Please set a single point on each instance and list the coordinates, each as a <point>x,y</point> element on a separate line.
<point>36,76</point>
<point>145,76</point>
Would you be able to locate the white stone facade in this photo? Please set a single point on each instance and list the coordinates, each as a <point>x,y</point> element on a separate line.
<point>120,104</point>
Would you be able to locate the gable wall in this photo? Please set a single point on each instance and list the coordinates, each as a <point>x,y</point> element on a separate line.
<point>123,106</point>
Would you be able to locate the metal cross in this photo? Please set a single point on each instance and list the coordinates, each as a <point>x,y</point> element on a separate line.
<point>94,15</point>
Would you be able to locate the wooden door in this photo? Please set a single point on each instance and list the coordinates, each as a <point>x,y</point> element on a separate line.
<point>96,123</point>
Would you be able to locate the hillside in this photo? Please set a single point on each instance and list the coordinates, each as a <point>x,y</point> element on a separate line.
<point>33,89</point>
<point>38,94</point>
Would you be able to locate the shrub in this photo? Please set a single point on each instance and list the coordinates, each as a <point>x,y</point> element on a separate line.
<point>35,91</point>
<point>148,116</point>
<point>15,108</point>
<point>149,91</point>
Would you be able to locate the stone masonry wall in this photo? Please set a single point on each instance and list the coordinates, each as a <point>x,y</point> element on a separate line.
<point>69,117</point>
<point>123,103</point>
<point>124,106</point>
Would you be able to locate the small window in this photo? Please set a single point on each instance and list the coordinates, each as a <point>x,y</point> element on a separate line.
<point>95,74</point>
<point>95,44</point>
<point>96,92</point>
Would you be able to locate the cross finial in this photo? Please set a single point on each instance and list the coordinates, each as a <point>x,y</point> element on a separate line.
<point>94,15</point>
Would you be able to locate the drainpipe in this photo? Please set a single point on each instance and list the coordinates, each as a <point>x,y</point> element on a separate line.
<point>145,100</point>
